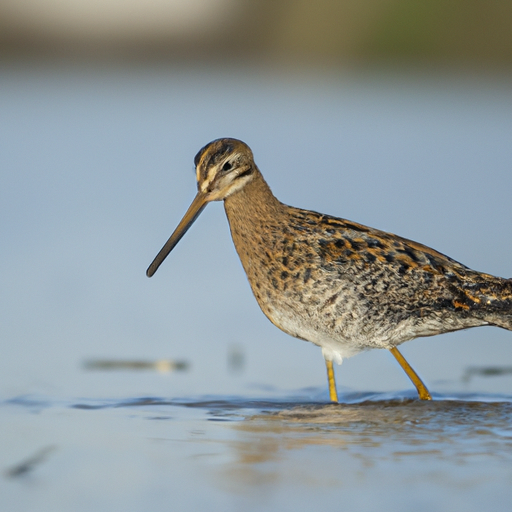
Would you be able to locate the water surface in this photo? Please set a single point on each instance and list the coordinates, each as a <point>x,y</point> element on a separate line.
<point>123,393</point>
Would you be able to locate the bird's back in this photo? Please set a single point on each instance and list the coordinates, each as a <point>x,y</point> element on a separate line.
<point>330,280</point>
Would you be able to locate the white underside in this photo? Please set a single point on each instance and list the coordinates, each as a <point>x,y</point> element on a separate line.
<point>335,351</point>
<point>355,338</point>
<point>332,349</point>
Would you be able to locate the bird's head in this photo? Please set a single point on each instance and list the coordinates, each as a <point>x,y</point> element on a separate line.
<point>223,167</point>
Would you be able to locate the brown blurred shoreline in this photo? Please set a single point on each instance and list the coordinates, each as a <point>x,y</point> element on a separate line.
<point>383,32</point>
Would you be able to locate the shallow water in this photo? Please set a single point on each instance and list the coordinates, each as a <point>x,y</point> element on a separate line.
<point>231,452</point>
<point>123,393</point>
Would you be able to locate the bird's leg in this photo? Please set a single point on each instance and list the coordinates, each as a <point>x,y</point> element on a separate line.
<point>333,395</point>
<point>422,389</point>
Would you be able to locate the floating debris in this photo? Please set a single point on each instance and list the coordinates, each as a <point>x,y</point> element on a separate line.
<point>28,465</point>
<point>161,365</point>
<point>486,371</point>
<point>236,358</point>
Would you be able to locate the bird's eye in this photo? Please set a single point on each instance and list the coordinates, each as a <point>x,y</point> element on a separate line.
<point>226,167</point>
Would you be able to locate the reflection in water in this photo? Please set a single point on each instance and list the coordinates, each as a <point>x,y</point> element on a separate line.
<point>409,422</point>
<point>161,365</point>
<point>368,435</point>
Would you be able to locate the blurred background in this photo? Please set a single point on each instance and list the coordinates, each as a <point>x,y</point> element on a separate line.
<point>393,113</point>
<point>291,32</point>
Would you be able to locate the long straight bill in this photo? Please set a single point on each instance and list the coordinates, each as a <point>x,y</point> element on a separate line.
<point>193,212</point>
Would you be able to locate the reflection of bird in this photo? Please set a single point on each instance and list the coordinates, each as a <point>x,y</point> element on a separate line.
<point>343,286</point>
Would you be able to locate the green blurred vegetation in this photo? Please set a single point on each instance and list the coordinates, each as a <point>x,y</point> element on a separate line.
<point>461,30</point>
<point>465,31</point>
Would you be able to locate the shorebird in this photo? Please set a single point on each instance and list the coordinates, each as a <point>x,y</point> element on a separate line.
<point>340,285</point>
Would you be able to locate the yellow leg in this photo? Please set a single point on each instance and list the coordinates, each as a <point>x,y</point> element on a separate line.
<point>422,390</point>
<point>333,395</point>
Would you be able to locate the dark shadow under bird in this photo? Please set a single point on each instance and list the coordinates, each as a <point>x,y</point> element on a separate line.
<point>340,285</point>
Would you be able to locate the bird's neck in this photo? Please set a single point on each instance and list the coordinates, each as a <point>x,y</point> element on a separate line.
<point>254,214</point>
<point>254,204</point>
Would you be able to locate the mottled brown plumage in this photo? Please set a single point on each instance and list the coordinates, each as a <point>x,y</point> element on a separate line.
<point>336,283</point>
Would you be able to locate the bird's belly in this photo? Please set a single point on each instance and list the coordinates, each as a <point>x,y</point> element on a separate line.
<point>340,338</point>
<point>346,331</point>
